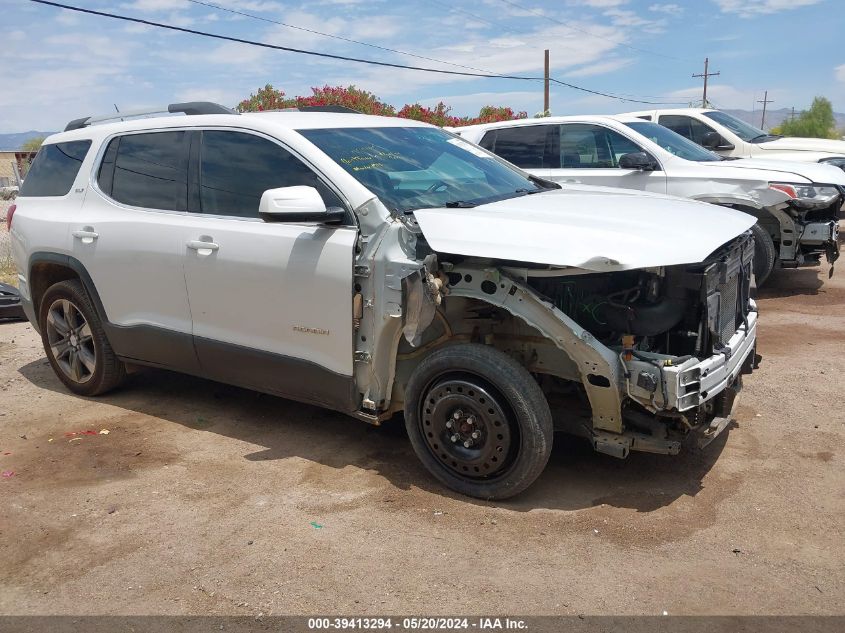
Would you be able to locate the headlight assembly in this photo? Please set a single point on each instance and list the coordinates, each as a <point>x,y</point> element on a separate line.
<point>807,196</point>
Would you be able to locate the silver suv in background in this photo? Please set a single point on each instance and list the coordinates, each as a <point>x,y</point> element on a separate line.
<point>796,204</point>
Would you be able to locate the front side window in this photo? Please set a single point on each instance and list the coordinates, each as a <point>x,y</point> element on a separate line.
<point>525,146</point>
<point>236,168</point>
<point>147,170</point>
<point>672,142</point>
<point>412,168</point>
<point>585,146</point>
<point>686,126</point>
<point>54,169</point>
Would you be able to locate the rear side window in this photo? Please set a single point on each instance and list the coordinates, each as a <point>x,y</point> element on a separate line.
<point>236,168</point>
<point>147,170</point>
<point>54,169</point>
<point>525,146</point>
<point>686,126</point>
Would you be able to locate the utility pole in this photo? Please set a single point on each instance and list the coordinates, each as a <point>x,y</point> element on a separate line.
<point>546,85</point>
<point>792,116</point>
<point>765,102</point>
<point>706,74</point>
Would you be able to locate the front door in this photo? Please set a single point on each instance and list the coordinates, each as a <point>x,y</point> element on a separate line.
<point>271,303</point>
<point>590,153</point>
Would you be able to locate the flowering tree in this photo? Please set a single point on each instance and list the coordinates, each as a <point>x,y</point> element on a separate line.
<point>268,98</point>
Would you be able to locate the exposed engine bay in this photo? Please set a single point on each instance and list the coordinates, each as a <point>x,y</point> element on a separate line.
<point>649,355</point>
<point>675,311</point>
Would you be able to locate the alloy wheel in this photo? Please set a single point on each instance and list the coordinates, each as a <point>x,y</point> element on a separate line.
<point>71,341</point>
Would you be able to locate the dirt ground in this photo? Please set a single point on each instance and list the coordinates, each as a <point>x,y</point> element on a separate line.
<point>207,499</point>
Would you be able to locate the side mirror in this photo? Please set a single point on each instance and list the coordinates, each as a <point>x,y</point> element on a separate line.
<point>714,141</point>
<point>297,204</point>
<point>637,160</point>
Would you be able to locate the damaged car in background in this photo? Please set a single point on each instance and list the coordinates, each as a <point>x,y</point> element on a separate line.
<point>796,204</point>
<point>392,267</point>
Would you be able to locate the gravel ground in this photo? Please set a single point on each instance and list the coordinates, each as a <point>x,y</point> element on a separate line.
<point>206,499</point>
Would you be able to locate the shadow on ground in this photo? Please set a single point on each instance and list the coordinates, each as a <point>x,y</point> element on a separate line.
<point>786,282</point>
<point>575,478</point>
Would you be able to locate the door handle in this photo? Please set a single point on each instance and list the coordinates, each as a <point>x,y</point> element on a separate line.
<point>573,181</point>
<point>86,234</point>
<point>200,245</point>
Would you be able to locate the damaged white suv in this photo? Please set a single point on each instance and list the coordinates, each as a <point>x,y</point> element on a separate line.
<point>378,265</point>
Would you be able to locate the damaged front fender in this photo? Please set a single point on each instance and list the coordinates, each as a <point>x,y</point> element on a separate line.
<point>598,366</point>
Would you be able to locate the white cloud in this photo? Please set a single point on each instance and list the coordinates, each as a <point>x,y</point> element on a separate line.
<point>751,8</point>
<point>600,68</point>
<point>602,4</point>
<point>151,6</point>
<point>722,95</point>
<point>840,73</point>
<point>672,9</point>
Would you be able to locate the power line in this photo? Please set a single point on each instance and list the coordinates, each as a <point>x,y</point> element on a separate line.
<point>335,37</point>
<point>586,32</point>
<point>238,40</point>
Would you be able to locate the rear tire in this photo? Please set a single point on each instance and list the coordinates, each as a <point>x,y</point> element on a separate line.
<point>478,421</point>
<point>75,342</point>
<point>765,255</point>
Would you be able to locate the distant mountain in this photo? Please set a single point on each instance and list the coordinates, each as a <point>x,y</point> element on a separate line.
<point>776,117</point>
<point>14,141</point>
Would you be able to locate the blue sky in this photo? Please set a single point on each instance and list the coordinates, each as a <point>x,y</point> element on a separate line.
<point>61,65</point>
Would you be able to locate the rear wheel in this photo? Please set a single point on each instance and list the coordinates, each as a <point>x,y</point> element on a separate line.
<point>74,341</point>
<point>478,421</point>
<point>765,255</point>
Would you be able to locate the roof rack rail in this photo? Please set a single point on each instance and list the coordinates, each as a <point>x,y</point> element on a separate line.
<point>329,108</point>
<point>188,108</point>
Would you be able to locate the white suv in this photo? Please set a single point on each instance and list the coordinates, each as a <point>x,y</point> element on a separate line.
<point>378,265</point>
<point>796,204</point>
<point>732,137</point>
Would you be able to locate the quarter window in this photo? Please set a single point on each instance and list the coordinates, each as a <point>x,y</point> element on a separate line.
<point>592,147</point>
<point>147,170</point>
<point>54,169</point>
<point>236,168</point>
<point>525,146</point>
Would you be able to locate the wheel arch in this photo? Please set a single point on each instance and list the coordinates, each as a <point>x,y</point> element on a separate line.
<point>46,269</point>
<point>592,364</point>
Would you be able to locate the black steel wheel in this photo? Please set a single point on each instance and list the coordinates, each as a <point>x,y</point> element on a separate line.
<point>765,254</point>
<point>468,429</point>
<point>74,341</point>
<point>478,421</point>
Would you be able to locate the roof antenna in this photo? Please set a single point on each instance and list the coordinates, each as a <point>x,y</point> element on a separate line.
<point>117,110</point>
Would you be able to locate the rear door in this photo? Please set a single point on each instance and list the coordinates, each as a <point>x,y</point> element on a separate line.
<point>530,147</point>
<point>127,236</point>
<point>271,302</point>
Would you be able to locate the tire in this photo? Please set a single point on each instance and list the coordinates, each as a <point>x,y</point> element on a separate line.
<point>75,342</point>
<point>765,255</point>
<point>482,396</point>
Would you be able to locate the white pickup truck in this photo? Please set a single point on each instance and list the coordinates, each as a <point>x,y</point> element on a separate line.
<point>732,137</point>
<point>796,204</point>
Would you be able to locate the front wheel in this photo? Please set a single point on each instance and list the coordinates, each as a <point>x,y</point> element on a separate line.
<point>478,421</point>
<point>765,254</point>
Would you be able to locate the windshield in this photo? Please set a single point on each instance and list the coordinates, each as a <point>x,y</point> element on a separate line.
<point>673,142</point>
<point>743,130</point>
<point>419,167</point>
